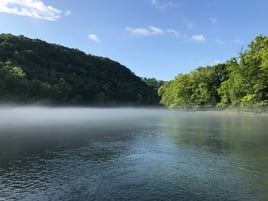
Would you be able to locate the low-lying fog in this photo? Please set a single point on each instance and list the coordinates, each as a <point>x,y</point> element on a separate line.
<point>24,126</point>
<point>72,153</point>
<point>18,117</point>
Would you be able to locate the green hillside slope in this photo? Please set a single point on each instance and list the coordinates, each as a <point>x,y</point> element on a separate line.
<point>32,70</point>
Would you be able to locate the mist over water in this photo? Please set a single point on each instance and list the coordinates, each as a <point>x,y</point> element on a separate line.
<point>131,154</point>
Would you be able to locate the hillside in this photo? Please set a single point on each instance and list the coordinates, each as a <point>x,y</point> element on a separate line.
<point>32,70</point>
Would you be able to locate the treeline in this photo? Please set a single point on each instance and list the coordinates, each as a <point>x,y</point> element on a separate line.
<point>33,70</point>
<point>240,82</point>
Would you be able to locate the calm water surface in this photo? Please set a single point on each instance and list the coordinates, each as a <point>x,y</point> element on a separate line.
<point>132,154</point>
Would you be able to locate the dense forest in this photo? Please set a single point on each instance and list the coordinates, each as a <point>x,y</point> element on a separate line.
<point>240,82</point>
<point>32,70</point>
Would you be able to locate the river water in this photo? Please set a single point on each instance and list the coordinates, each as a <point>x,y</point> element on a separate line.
<point>132,154</point>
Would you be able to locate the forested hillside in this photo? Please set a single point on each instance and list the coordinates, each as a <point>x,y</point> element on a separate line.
<point>240,82</point>
<point>33,70</point>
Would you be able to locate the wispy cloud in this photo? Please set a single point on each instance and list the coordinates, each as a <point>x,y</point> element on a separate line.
<point>31,8</point>
<point>151,31</point>
<point>198,38</point>
<point>154,31</point>
<point>174,32</point>
<point>145,31</point>
<point>162,4</point>
<point>213,20</point>
<point>94,38</point>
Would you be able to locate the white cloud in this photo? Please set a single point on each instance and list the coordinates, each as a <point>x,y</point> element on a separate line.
<point>31,8</point>
<point>155,30</point>
<point>94,38</point>
<point>138,31</point>
<point>151,30</point>
<point>174,32</point>
<point>198,38</point>
<point>213,20</point>
<point>163,5</point>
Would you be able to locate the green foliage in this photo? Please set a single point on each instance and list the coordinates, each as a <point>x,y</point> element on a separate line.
<point>33,70</point>
<point>154,85</point>
<point>241,82</point>
<point>13,82</point>
<point>152,82</point>
<point>197,89</point>
<point>247,85</point>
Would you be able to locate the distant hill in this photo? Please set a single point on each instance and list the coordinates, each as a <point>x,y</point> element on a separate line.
<point>32,70</point>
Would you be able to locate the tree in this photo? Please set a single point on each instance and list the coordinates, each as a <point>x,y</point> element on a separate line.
<point>247,85</point>
<point>197,89</point>
<point>13,81</point>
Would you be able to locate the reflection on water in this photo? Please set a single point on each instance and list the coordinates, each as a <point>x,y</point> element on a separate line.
<point>131,154</point>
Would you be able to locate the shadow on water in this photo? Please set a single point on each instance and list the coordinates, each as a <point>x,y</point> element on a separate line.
<point>131,154</point>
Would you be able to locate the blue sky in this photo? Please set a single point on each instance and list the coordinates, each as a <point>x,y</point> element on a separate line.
<point>154,38</point>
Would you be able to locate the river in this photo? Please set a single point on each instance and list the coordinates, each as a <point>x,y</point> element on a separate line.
<point>132,154</point>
